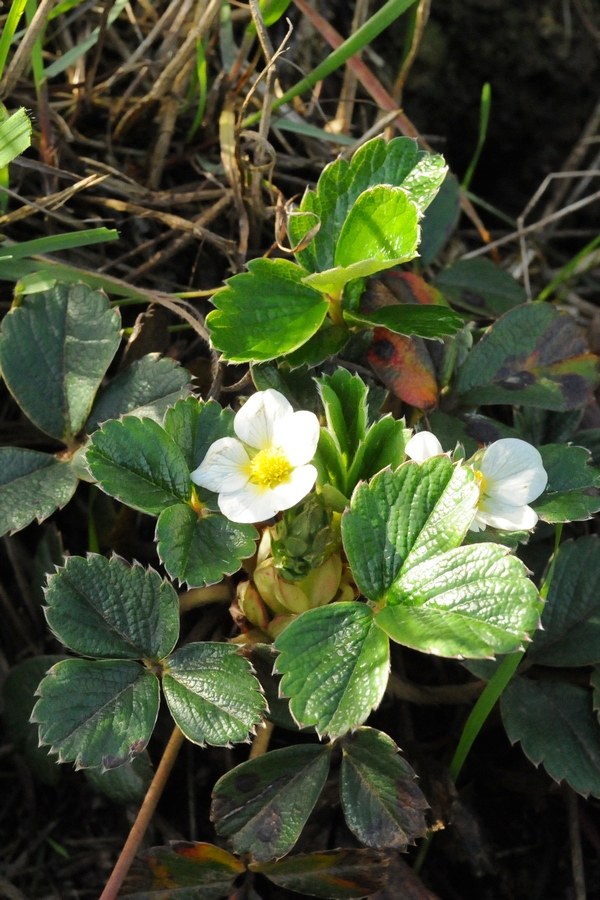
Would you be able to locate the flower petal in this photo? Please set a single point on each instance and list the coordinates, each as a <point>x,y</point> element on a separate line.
<point>224,468</point>
<point>422,446</point>
<point>506,517</point>
<point>252,503</point>
<point>297,486</point>
<point>260,415</point>
<point>298,437</point>
<point>513,471</point>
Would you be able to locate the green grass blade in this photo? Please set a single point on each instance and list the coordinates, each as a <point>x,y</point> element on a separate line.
<point>568,269</point>
<point>388,13</point>
<point>15,136</point>
<point>484,118</point>
<point>202,76</point>
<point>54,242</point>
<point>8,32</point>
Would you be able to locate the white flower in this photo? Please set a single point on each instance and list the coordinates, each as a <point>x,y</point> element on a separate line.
<point>266,470</point>
<point>510,475</point>
<point>422,446</point>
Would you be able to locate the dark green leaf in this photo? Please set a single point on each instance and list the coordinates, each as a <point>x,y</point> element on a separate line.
<point>183,871</point>
<point>194,425</point>
<point>288,314</point>
<point>263,804</point>
<point>481,287</point>
<point>417,510</point>
<point>333,874</point>
<point>127,784</point>
<point>556,726</point>
<point>440,220</point>
<point>200,550</point>
<point>404,318</point>
<point>328,341</point>
<point>571,615</point>
<point>97,713</point>
<point>18,693</point>
<point>335,663</point>
<point>534,356</point>
<point>470,602</point>
<point>146,389</point>
<point>573,489</point>
<point>137,462</point>
<point>32,486</point>
<point>54,350</point>
<point>212,694</point>
<point>105,607</point>
<point>382,803</point>
<point>590,439</point>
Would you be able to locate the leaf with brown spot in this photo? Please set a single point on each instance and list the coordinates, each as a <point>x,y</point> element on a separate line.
<point>263,803</point>
<point>336,874</point>
<point>405,367</point>
<point>382,803</point>
<point>533,356</point>
<point>160,873</point>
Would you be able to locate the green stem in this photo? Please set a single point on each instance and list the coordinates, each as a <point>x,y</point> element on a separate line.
<point>388,13</point>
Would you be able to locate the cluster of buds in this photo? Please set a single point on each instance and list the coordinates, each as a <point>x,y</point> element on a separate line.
<point>298,567</point>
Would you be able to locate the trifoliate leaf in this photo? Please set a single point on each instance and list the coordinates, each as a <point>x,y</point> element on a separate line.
<point>201,549</point>
<point>97,713</point>
<point>32,486</point>
<point>54,350</point>
<point>335,663</point>
<point>137,462</point>
<point>263,804</point>
<point>105,607</point>
<point>212,694</point>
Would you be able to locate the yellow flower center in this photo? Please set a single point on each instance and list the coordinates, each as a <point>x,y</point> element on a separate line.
<point>480,481</point>
<point>270,467</point>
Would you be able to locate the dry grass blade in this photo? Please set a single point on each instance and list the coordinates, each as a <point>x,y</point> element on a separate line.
<point>52,202</point>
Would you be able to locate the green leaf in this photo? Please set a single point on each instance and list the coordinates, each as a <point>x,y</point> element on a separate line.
<point>384,445</point>
<point>481,287</point>
<point>335,663</point>
<point>137,462</point>
<point>380,231</point>
<point>534,356</point>
<point>15,136</point>
<point>288,314</point>
<point>97,713</point>
<point>410,514</point>
<point>573,490</point>
<point>54,350</point>
<point>470,602</point>
<point>440,220</point>
<point>404,318</point>
<point>330,463</point>
<point>183,871</point>
<point>195,425</point>
<point>333,874</point>
<point>263,804</point>
<point>146,390</point>
<point>382,803</point>
<point>556,726</point>
<point>105,607</point>
<point>32,486</point>
<point>18,693</point>
<point>570,634</point>
<point>344,398</point>
<point>340,185</point>
<point>328,341</point>
<point>200,550</point>
<point>212,694</point>
<point>127,784</point>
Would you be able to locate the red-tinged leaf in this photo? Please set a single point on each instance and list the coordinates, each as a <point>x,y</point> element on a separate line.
<point>405,367</point>
<point>403,883</point>
<point>401,287</point>
<point>335,874</point>
<point>161,872</point>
